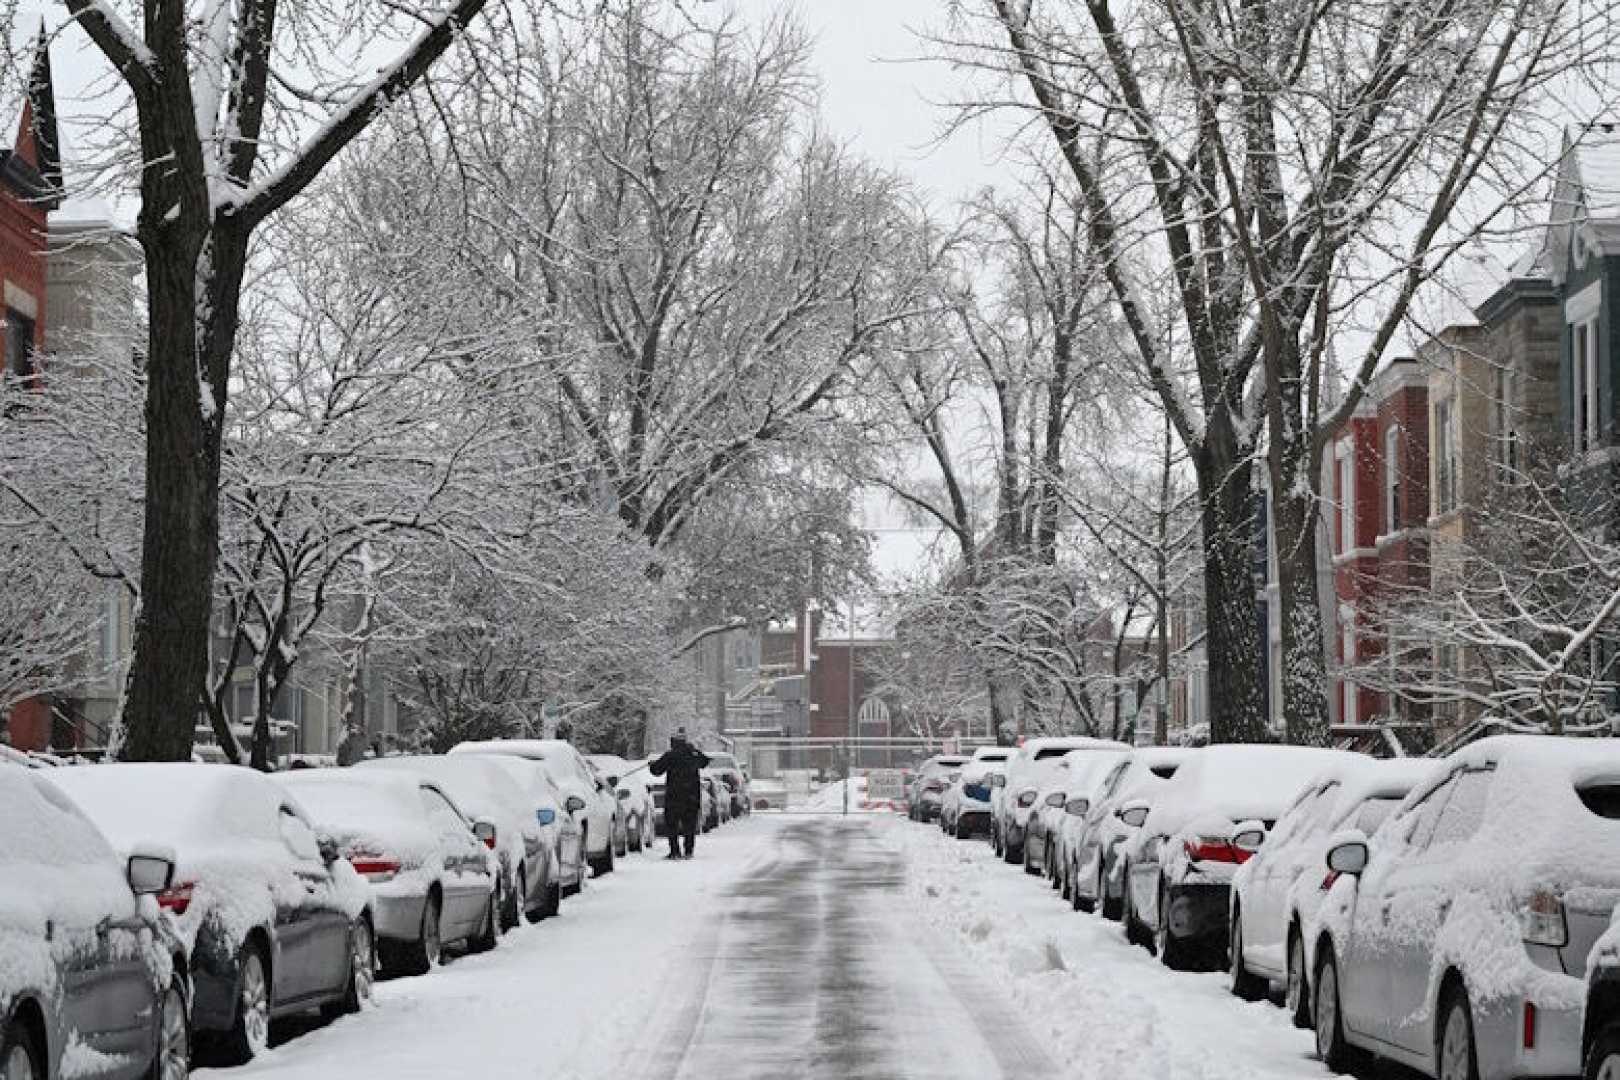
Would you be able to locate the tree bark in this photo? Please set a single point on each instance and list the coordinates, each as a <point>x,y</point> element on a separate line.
<point>1295,502</point>
<point>1236,690</point>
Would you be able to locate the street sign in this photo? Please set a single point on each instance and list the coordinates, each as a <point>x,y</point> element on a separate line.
<point>885,784</point>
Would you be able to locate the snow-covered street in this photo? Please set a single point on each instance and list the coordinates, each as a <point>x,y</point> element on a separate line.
<point>807,946</point>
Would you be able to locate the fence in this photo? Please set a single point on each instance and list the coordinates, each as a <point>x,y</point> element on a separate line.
<point>837,776</point>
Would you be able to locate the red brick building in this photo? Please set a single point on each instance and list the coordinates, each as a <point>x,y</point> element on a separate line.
<point>30,188</point>
<point>1380,493</point>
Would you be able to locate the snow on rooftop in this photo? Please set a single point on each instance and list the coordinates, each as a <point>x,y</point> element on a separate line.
<point>1597,159</point>
<point>1449,299</point>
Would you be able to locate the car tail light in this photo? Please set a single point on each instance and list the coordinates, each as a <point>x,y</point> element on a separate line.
<point>1215,849</point>
<point>489,842</point>
<point>1529,1025</point>
<point>176,898</point>
<point>1026,799</point>
<point>373,865</point>
<point>1542,920</point>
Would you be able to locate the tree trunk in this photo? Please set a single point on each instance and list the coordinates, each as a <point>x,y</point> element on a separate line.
<point>1237,702</point>
<point>169,661</point>
<point>1304,665</point>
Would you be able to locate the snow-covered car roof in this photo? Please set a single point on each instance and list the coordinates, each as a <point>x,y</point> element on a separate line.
<point>995,753</point>
<point>531,776</point>
<point>1237,782</point>
<point>534,749</point>
<point>352,798</point>
<point>53,859</point>
<point>1363,778</point>
<point>475,783</point>
<point>1038,759</point>
<point>186,805</point>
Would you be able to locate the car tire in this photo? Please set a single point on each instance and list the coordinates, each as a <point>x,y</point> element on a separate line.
<point>1297,987</point>
<point>603,863</point>
<point>173,1060</point>
<point>1169,949</point>
<point>362,972</point>
<point>423,955</point>
<point>517,902</point>
<point>1603,1059</point>
<point>19,1056</point>
<point>489,931</point>
<point>1049,864</point>
<point>1135,933</point>
<point>552,904</point>
<point>1244,983</point>
<point>1331,1047</point>
<point>1111,909</point>
<point>1456,1052</point>
<point>250,1028</point>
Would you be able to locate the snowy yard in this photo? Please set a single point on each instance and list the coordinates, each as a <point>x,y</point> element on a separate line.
<point>792,946</point>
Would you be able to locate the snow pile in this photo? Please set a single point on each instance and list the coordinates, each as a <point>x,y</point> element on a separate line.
<point>1104,1009</point>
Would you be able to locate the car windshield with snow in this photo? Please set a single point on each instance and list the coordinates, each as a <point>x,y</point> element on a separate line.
<point>272,924</point>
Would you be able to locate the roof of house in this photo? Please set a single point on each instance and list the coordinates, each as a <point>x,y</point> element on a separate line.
<point>32,167</point>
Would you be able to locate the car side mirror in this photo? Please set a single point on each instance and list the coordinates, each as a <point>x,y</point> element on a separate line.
<point>149,872</point>
<point>574,804</point>
<point>328,848</point>
<point>1055,799</point>
<point>545,815</point>
<point>1349,857</point>
<point>485,831</point>
<point>1249,839</point>
<point>1135,815</point>
<point>1078,807</point>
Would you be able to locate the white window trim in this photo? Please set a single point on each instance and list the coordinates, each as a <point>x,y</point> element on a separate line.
<point>1347,496</point>
<point>1392,476</point>
<point>1585,304</point>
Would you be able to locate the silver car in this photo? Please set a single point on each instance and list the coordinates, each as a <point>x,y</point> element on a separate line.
<point>1091,844</point>
<point>1455,941</point>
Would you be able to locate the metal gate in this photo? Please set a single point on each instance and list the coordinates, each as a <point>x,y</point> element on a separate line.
<point>837,776</point>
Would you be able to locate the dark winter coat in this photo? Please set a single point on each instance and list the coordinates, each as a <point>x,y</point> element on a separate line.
<point>683,789</point>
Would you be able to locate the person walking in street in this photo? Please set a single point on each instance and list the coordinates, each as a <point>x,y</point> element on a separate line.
<point>683,792</point>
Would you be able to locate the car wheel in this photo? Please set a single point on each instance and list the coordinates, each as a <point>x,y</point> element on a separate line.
<point>1065,882</point>
<point>19,1057</point>
<point>1603,1060</point>
<point>1297,996</point>
<point>362,973</point>
<point>553,903</point>
<point>517,903</point>
<point>1111,909</point>
<point>250,1033</point>
<point>173,1061</point>
<point>423,955</point>
<point>1331,1046</point>
<point>489,932</point>
<point>1078,900</point>
<point>1049,864</point>
<point>1245,983</point>
<point>1029,863</point>
<point>603,864</point>
<point>1455,1044</point>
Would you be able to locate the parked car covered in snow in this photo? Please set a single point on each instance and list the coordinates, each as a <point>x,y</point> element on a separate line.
<point>1204,823</point>
<point>1276,895</point>
<point>928,785</point>
<point>965,809</point>
<point>586,797</point>
<point>86,960</point>
<point>1456,940</point>
<point>1090,845</point>
<point>731,776</point>
<point>1067,793</point>
<point>1027,773</point>
<point>561,830</point>
<point>482,789</point>
<point>1600,1025</point>
<point>629,780</point>
<point>273,924</point>
<point>432,876</point>
<point>716,802</point>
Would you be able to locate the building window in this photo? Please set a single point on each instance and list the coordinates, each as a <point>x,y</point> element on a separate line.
<point>1583,385</point>
<point>1392,479</point>
<point>1505,438</point>
<point>1445,456</point>
<point>19,344</point>
<point>1347,498</point>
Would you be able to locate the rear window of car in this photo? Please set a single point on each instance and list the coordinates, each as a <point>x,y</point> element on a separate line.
<point>1603,798</point>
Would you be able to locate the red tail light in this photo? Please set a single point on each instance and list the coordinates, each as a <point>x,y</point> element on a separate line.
<point>374,867</point>
<point>176,898</point>
<point>489,842</point>
<point>1529,1025</point>
<point>1215,849</point>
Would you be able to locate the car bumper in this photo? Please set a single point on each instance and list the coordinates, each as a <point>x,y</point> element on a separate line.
<point>1198,909</point>
<point>1499,1035</point>
<point>1012,834</point>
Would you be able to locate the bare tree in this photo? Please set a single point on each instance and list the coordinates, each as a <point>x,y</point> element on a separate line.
<point>1289,174</point>
<point>237,108</point>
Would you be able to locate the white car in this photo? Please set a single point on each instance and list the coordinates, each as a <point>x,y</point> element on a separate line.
<point>1204,823</point>
<point>433,878</point>
<point>1090,845</point>
<point>1456,940</point>
<point>562,831</point>
<point>273,923</point>
<point>1066,793</point>
<point>1027,773</point>
<point>1277,894</point>
<point>586,798</point>
<point>526,849</point>
<point>965,809</point>
<point>629,783</point>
